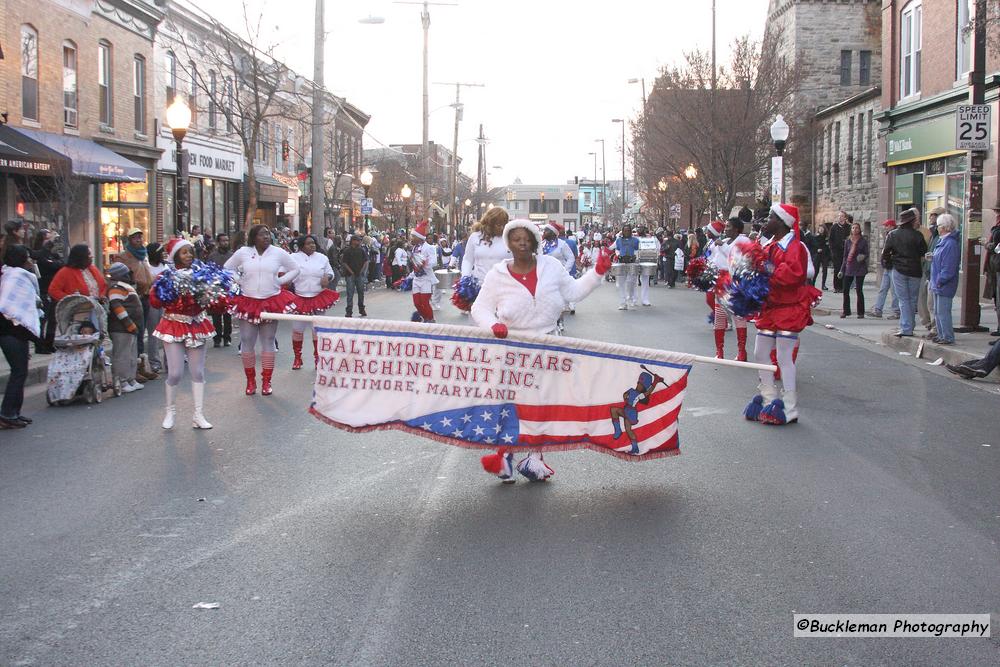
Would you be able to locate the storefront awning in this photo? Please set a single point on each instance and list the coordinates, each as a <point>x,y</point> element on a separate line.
<point>22,155</point>
<point>89,159</point>
<point>270,190</point>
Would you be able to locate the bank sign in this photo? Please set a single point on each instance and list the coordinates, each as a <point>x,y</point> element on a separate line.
<point>204,161</point>
<point>922,141</point>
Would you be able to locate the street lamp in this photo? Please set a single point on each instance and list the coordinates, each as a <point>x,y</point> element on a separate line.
<point>624,187</point>
<point>406,192</point>
<point>779,134</point>
<point>366,182</point>
<point>179,118</point>
<point>691,173</point>
<point>662,187</point>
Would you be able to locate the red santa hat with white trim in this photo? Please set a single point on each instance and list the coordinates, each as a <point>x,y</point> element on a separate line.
<point>173,245</point>
<point>420,231</point>
<point>715,228</point>
<point>789,215</point>
<point>555,227</point>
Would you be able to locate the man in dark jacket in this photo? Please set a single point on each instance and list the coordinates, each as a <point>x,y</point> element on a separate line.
<point>355,261</point>
<point>838,234</point>
<point>904,250</point>
<point>48,262</point>
<point>223,322</point>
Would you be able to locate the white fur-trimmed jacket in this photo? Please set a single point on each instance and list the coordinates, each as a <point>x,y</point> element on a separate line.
<point>504,299</point>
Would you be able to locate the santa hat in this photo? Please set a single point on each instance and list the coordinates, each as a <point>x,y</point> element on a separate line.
<point>420,231</point>
<point>715,228</point>
<point>555,227</point>
<point>789,215</point>
<point>521,223</point>
<point>889,224</point>
<point>173,245</point>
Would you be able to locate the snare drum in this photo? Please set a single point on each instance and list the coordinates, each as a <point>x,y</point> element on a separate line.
<point>621,270</point>
<point>447,277</point>
<point>647,268</point>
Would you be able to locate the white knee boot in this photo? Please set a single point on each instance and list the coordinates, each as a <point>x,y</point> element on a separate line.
<point>171,408</point>
<point>198,419</point>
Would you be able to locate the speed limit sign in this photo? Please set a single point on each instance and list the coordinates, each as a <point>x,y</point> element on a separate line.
<point>972,127</point>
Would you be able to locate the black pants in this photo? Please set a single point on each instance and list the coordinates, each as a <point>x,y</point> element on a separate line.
<point>48,325</point>
<point>223,324</point>
<point>671,276</point>
<point>858,282</point>
<point>838,283</point>
<point>15,350</point>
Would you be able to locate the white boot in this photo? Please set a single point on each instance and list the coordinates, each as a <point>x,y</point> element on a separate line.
<point>171,412</point>
<point>791,407</point>
<point>198,419</point>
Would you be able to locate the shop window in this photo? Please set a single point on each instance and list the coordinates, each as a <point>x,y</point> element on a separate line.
<point>169,212</point>
<point>105,91</point>
<point>909,49</point>
<point>124,206</point>
<point>29,73</point>
<point>957,163</point>
<point>207,205</point>
<point>139,93</point>
<point>70,100</point>
<point>195,185</point>
<point>220,207</point>
<point>963,38</point>
<point>935,167</point>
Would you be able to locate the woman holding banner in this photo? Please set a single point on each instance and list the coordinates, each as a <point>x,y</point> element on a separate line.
<point>257,265</point>
<point>311,294</point>
<point>526,295</point>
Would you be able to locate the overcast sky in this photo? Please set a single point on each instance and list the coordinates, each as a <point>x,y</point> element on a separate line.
<point>555,71</point>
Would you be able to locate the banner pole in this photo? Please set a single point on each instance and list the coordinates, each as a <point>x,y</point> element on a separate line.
<point>748,365</point>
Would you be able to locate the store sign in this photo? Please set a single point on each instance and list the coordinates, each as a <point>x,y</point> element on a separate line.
<point>903,189</point>
<point>203,161</point>
<point>922,141</point>
<point>972,127</point>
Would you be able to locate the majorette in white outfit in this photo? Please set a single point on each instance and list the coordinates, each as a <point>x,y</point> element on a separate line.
<point>482,254</point>
<point>649,251</point>
<point>424,258</point>
<point>528,304</point>
<point>311,296</point>
<point>257,268</point>
<point>554,246</point>
<point>723,257</point>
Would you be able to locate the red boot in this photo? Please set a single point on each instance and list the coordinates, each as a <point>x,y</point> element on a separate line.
<point>741,344</point>
<point>297,351</point>
<point>720,343</point>
<point>251,381</point>
<point>315,354</point>
<point>265,382</point>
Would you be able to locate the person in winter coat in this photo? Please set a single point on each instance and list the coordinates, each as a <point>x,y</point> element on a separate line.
<point>123,325</point>
<point>79,276</point>
<point>904,249</point>
<point>852,270</point>
<point>525,295</point>
<point>48,262</point>
<point>19,325</point>
<point>838,235</point>
<point>944,277</point>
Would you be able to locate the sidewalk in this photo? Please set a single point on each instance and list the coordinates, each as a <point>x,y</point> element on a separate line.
<point>879,331</point>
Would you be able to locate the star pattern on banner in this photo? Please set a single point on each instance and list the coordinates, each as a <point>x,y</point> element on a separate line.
<point>488,424</point>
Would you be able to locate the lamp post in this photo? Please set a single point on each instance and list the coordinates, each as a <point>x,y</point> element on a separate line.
<point>662,187</point>
<point>406,192</point>
<point>179,118</point>
<point>604,177</point>
<point>690,173</point>
<point>624,187</point>
<point>779,134</point>
<point>465,213</point>
<point>366,182</point>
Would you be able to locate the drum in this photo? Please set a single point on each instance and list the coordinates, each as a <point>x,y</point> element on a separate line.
<point>447,277</point>
<point>647,268</point>
<point>621,270</point>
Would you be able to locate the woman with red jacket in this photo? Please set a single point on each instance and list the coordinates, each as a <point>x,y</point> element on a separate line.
<point>79,276</point>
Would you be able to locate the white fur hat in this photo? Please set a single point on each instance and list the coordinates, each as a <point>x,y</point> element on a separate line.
<point>522,224</point>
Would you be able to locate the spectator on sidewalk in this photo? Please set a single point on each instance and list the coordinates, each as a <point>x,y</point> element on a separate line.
<point>223,322</point>
<point>978,368</point>
<point>48,262</point>
<point>14,233</point>
<point>355,261</point>
<point>944,277</point>
<point>853,269</point>
<point>123,326</point>
<point>154,346</point>
<point>991,267</point>
<point>79,276</point>
<point>838,234</point>
<point>885,285</point>
<point>135,259</point>
<point>904,249</point>
<point>19,325</point>
<point>822,262</point>
<point>333,253</point>
<point>925,300</point>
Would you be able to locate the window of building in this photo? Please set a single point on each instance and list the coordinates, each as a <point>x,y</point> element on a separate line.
<point>864,67</point>
<point>845,68</point>
<point>71,103</point>
<point>860,151</point>
<point>829,157</point>
<point>265,144</point>
<point>277,147</point>
<point>171,68</point>
<point>29,73</point>
<point>909,49</point>
<point>871,144</point>
<point>850,151</point>
<point>836,154</point>
<point>536,206</point>
<point>213,91</point>
<point>105,102</point>
<point>571,205</point>
<point>228,110</point>
<point>586,199</point>
<point>963,38</point>
<point>193,94</point>
<point>819,161</point>
<point>139,93</point>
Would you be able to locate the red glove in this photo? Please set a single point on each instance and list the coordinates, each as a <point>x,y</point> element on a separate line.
<point>500,330</point>
<point>603,263</point>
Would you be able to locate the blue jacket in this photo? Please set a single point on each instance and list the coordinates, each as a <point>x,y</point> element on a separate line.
<point>944,266</point>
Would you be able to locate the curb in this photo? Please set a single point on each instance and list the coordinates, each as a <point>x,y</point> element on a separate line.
<point>36,375</point>
<point>931,351</point>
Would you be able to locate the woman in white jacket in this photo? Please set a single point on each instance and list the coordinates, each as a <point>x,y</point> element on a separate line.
<point>526,295</point>
<point>311,294</point>
<point>485,247</point>
<point>257,266</point>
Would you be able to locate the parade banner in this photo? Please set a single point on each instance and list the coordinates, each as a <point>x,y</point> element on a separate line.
<point>462,386</point>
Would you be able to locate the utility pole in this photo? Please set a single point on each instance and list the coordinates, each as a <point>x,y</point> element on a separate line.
<point>970,314</point>
<point>713,179</point>
<point>453,181</point>
<point>316,189</point>
<point>425,152</point>
<point>480,172</point>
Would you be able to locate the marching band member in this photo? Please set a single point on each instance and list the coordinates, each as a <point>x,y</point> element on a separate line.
<point>784,315</point>
<point>649,251</point>
<point>311,294</point>
<point>483,249</point>
<point>725,251</point>
<point>424,258</point>
<point>627,249</point>
<point>555,246</point>
<point>257,266</point>
<point>713,232</point>
<point>526,295</point>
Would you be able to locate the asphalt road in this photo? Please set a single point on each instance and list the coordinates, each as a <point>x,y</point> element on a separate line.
<point>386,549</point>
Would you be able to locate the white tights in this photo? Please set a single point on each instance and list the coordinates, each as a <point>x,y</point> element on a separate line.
<point>265,331</point>
<point>175,353</point>
<point>785,344</point>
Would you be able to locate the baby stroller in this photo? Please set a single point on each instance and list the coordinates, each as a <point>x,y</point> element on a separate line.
<point>79,366</point>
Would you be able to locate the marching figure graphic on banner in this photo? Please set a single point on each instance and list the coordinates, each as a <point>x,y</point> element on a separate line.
<point>629,412</point>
